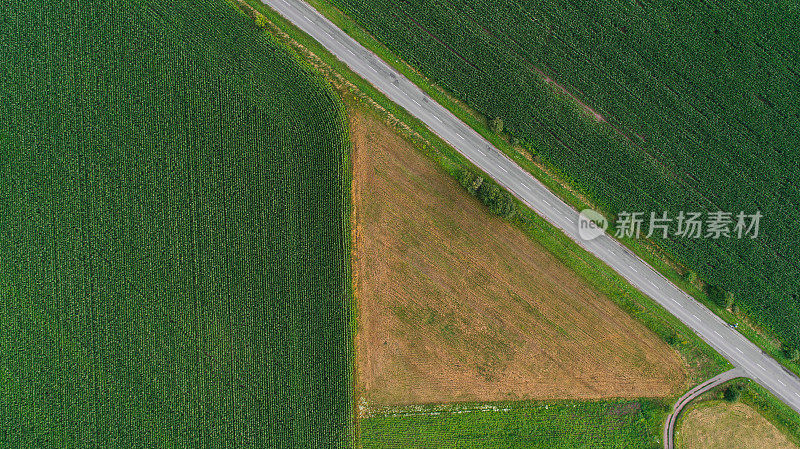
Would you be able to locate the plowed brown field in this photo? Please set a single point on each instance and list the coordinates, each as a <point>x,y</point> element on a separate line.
<point>458,305</point>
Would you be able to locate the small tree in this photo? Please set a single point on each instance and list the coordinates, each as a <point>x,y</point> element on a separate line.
<point>476,184</point>
<point>490,194</point>
<point>496,125</point>
<point>729,298</point>
<point>496,199</point>
<point>792,354</point>
<point>690,276</point>
<point>261,21</point>
<point>732,393</point>
<point>470,180</point>
<point>716,295</point>
<point>466,177</point>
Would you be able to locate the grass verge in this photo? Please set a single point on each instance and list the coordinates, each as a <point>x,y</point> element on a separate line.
<point>554,424</point>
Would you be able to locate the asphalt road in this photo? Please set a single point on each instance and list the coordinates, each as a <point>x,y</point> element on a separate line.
<point>669,427</point>
<point>730,343</point>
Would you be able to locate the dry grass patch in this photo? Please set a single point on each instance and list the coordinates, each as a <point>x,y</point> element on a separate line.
<point>458,305</point>
<point>722,425</point>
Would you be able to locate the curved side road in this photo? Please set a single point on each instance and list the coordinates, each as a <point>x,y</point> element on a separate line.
<point>669,427</point>
<point>731,344</point>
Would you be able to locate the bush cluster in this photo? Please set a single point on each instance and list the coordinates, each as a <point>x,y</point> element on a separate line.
<point>733,393</point>
<point>498,201</point>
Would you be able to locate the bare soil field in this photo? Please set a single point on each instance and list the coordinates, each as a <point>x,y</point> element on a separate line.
<point>722,425</point>
<point>458,305</point>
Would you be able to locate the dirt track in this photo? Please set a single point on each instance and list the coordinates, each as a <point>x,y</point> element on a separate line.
<point>669,428</point>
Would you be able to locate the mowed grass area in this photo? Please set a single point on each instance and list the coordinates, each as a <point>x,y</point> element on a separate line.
<point>174,260</point>
<point>758,419</point>
<point>455,304</point>
<point>643,106</point>
<point>528,425</point>
<point>725,425</point>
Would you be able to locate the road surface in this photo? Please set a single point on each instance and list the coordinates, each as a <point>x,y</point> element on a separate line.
<point>731,344</point>
<point>669,428</point>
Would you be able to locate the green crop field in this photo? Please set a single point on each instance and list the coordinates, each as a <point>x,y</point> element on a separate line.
<point>553,425</point>
<point>686,106</point>
<point>174,213</point>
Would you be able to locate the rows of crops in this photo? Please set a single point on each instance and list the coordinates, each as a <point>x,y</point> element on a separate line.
<point>173,260</point>
<point>696,105</point>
